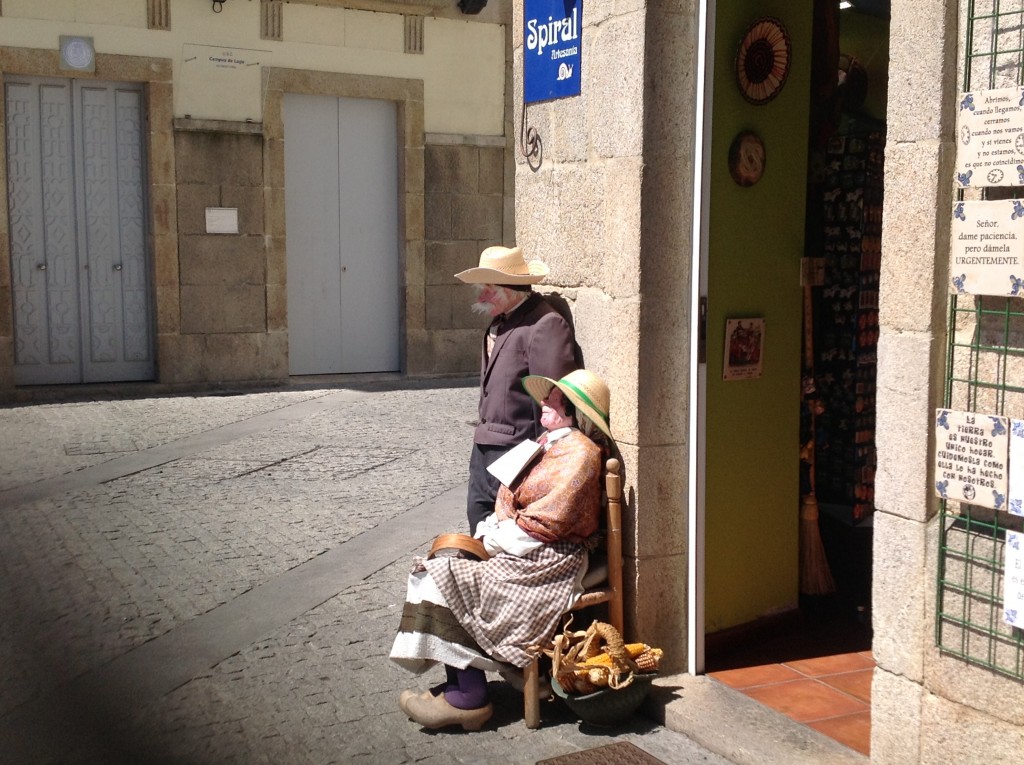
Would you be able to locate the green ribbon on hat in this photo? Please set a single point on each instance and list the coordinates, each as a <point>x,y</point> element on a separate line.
<point>585,397</point>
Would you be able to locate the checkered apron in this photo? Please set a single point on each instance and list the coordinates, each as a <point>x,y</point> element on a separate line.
<point>497,608</point>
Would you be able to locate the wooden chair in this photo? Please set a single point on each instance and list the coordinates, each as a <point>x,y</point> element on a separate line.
<point>607,591</point>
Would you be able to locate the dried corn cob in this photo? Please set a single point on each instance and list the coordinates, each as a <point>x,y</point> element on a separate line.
<point>649,659</point>
<point>583,661</point>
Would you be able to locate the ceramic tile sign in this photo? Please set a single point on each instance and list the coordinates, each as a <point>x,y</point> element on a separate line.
<point>1013,579</point>
<point>1015,497</point>
<point>990,138</point>
<point>971,454</point>
<point>987,249</point>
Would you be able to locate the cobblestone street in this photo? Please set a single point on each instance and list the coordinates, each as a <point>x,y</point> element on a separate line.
<point>217,579</point>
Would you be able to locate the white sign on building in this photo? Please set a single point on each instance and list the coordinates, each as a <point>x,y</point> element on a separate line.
<point>218,82</point>
<point>990,138</point>
<point>221,220</point>
<point>971,456</point>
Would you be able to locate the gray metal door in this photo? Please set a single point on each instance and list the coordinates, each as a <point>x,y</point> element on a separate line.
<point>76,201</point>
<point>341,215</point>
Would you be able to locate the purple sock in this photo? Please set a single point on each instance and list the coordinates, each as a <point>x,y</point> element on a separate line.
<point>469,691</point>
<point>451,680</point>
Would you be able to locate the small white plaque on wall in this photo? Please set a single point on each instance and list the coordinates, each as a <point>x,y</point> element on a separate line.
<point>1013,579</point>
<point>971,456</point>
<point>221,220</point>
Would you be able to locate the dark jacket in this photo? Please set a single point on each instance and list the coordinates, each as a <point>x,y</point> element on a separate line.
<point>535,340</point>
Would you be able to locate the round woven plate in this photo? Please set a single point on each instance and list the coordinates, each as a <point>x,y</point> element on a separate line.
<point>452,544</point>
<point>762,61</point>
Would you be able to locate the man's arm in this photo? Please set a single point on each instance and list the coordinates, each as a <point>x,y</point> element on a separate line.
<point>551,351</point>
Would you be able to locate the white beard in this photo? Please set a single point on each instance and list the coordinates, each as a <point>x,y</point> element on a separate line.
<point>484,308</point>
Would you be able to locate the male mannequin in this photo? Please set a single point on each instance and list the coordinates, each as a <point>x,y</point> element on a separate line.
<point>526,337</point>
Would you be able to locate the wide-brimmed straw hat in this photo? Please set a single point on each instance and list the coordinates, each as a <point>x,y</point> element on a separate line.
<point>588,393</point>
<point>504,265</point>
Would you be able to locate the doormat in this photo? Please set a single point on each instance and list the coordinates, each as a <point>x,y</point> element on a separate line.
<point>620,753</point>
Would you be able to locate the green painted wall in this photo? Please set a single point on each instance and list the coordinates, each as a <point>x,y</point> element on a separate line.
<point>756,242</point>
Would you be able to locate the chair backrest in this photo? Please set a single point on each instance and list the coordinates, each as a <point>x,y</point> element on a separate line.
<point>608,591</point>
<point>613,486</point>
<point>608,588</point>
<point>613,542</point>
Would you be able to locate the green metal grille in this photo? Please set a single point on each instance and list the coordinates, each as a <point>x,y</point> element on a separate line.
<point>984,373</point>
<point>994,44</point>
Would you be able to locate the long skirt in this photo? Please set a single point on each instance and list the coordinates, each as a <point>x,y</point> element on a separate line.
<point>486,614</point>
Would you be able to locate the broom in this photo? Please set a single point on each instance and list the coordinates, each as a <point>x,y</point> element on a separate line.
<point>815,575</point>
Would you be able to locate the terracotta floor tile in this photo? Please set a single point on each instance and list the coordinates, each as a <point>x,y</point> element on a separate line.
<point>748,677</point>
<point>831,665</point>
<point>853,730</point>
<point>806,700</point>
<point>855,683</point>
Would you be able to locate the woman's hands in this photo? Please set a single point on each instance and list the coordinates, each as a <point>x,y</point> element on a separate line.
<point>505,536</point>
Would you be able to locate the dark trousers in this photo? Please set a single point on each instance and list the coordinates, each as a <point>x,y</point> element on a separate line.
<point>483,487</point>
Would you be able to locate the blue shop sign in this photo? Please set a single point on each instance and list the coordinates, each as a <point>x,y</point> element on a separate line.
<point>552,44</point>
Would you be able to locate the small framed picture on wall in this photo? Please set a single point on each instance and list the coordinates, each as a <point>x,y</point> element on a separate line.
<point>744,349</point>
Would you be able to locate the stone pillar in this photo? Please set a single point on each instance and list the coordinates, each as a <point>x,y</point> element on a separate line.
<point>912,314</point>
<point>661,481</point>
<point>608,208</point>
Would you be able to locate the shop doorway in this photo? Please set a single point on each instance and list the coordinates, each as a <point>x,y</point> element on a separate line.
<point>80,269</point>
<point>794,252</point>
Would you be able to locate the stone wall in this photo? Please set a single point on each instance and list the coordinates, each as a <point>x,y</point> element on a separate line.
<point>926,707</point>
<point>464,213</point>
<point>910,348</point>
<point>219,301</point>
<point>607,205</point>
<point>222,277</point>
<point>666,319</point>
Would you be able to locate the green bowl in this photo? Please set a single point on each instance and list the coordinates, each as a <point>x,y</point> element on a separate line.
<point>607,706</point>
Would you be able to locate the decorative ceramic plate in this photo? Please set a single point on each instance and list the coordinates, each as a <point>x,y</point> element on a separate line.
<point>746,158</point>
<point>762,61</point>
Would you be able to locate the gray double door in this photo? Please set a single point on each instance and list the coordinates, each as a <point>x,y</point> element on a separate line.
<point>341,216</point>
<point>76,195</point>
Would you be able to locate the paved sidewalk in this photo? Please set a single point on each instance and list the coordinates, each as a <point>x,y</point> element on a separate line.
<point>217,579</point>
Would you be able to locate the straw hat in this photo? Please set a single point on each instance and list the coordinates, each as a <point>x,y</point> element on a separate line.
<point>504,265</point>
<point>588,393</point>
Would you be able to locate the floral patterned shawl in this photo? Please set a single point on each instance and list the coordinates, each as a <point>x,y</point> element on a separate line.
<point>559,498</point>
